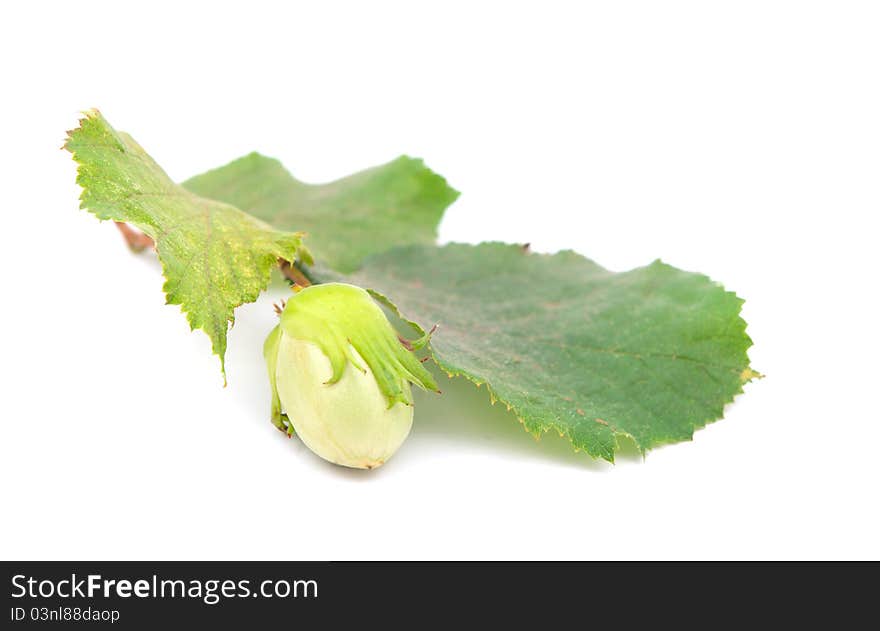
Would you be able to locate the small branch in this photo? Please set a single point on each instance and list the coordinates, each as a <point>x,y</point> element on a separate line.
<point>293,274</point>
<point>137,241</point>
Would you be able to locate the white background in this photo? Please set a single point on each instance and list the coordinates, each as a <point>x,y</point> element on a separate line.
<point>740,139</point>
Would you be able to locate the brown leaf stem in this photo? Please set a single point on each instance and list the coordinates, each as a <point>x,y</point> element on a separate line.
<point>293,274</point>
<point>137,241</point>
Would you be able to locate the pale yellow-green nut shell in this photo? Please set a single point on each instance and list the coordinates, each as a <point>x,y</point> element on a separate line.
<point>341,377</point>
<point>348,422</point>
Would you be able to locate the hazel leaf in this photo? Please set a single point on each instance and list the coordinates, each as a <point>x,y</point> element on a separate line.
<point>398,203</point>
<point>214,256</point>
<point>647,355</point>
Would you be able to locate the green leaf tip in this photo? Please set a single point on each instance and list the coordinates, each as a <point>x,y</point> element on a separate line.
<point>214,256</point>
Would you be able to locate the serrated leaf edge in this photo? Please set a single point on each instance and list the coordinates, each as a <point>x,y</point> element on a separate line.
<point>218,346</point>
<point>746,376</point>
